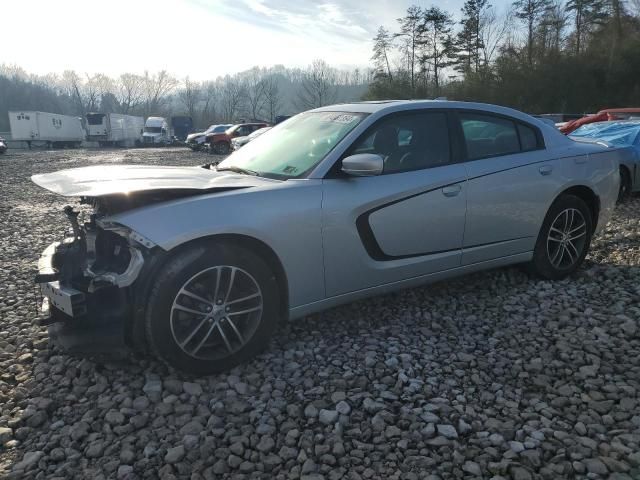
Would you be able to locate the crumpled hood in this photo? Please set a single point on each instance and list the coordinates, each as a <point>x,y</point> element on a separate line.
<point>98,181</point>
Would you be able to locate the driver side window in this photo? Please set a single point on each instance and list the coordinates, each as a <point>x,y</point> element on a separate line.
<point>409,142</point>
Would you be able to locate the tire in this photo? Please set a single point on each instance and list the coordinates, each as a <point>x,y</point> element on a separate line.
<point>213,340</point>
<point>221,148</point>
<point>625,185</point>
<point>554,256</point>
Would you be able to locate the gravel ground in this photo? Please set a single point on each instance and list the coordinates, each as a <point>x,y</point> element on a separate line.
<point>494,375</point>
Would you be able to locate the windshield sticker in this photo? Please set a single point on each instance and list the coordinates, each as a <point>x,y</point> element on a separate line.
<point>340,118</point>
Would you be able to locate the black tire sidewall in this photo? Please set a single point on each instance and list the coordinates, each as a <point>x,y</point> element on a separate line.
<point>176,272</point>
<point>540,264</point>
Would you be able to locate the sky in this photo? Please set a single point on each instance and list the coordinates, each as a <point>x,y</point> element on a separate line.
<point>201,39</point>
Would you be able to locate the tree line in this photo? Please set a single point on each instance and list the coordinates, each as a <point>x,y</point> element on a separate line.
<point>258,93</point>
<point>539,56</point>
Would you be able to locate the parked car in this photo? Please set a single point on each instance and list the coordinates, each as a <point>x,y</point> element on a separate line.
<point>619,134</point>
<point>3,145</point>
<point>220,143</point>
<point>607,115</point>
<point>239,142</point>
<point>328,207</point>
<point>196,141</point>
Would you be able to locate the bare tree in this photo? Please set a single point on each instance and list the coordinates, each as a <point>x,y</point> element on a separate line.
<point>232,96</point>
<point>211,95</point>
<point>493,31</point>
<point>70,84</point>
<point>189,96</point>
<point>318,86</point>
<point>129,91</point>
<point>255,91</point>
<point>273,98</point>
<point>94,89</point>
<point>156,88</point>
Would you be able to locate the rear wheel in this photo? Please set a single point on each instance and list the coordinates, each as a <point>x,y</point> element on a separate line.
<point>625,185</point>
<point>214,306</point>
<point>564,239</point>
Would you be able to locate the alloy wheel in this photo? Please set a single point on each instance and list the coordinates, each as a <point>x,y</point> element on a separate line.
<point>566,239</point>
<point>216,312</point>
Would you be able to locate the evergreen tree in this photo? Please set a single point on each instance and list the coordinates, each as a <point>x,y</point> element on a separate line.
<point>586,13</point>
<point>529,11</point>
<point>437,27</point>
<point>468,44</point>
<point>382,44</point>
<point>411,31</point>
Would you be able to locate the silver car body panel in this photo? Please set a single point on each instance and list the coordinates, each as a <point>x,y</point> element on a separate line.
<point>113,179</point>
<point>341,239</point>
<point>630,159</point>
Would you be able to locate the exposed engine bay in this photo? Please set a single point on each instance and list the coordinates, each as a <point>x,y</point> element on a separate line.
<point>87,279</point>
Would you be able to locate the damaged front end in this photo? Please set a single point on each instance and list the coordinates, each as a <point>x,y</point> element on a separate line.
<point>86,282</point>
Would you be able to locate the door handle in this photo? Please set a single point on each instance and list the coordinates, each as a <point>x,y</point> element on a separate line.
<point>545,170</point>
<point>451,190</point>
<point>580,160</point>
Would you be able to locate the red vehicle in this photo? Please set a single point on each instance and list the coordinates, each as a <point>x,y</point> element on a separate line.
<point>607,115</point>
<point>220,143</point>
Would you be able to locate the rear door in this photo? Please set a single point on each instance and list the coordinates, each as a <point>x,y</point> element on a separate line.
<point>511,179</point>
<point>405,223</point>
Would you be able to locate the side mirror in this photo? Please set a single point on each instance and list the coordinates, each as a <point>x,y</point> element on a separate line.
<point>363,165</point>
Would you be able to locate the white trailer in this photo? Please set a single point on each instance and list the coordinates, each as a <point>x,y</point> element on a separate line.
<point>114,129</point>
<point>49,129</point>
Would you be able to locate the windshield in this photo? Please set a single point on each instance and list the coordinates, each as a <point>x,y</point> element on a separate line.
<point>292,148</point>
<point>153,129</point>
<point>216,128</point>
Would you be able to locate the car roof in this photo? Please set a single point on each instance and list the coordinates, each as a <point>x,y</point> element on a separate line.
<point>399,105</point>
<point>382,107</point>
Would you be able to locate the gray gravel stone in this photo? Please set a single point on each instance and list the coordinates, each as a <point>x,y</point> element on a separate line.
<point>175,454</point>
<point>328,417</point>
<point>343,408</point>
<point>447,431</point>
<point>497,374</point>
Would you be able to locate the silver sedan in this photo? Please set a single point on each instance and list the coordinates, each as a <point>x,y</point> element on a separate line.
<point>330,206</point>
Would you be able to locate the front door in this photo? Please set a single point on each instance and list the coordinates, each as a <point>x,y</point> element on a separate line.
<point>405,223</point>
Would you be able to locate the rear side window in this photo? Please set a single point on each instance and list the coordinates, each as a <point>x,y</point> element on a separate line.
<point>490,136</point>
<point>528,138</point>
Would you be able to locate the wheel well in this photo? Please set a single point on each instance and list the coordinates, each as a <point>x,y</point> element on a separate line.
<point>589,197</point>
<point>626,170</point>
<point>134,331</point>
<point>262,250</point>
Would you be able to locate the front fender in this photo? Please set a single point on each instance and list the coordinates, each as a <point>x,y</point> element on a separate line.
<point>285,216</point>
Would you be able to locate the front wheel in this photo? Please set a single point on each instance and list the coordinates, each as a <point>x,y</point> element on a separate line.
<point>564,239</point>
<point>213,307</point>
